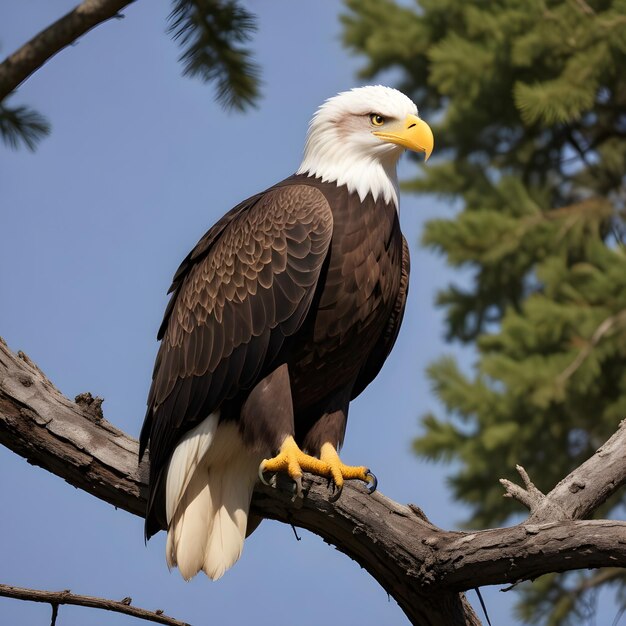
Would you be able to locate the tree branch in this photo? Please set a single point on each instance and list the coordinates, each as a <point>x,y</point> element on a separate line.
<point>423,567</point>
<point>17,67</point>
<point>582,491</point>
<point>55,598</point>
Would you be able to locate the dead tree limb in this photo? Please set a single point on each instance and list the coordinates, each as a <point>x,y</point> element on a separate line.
<point>17,67</point>
<point>423,567</point>
<point>56,598</point>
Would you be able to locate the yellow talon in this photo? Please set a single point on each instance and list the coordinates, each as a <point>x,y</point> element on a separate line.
<point>292,460</point>
<point>339,471</point>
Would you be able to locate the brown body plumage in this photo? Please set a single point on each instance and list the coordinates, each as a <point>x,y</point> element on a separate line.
<point>242,307</point>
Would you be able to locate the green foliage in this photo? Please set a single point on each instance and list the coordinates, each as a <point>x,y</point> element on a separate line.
<point>211,34</point>
<point>21,125</point>
<point>529,103</point>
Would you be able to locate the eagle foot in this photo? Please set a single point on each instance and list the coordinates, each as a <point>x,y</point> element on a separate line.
<point>294,462</point>
<point>339,472</point>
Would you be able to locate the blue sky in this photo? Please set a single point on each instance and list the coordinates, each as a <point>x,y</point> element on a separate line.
<point>139,164</point>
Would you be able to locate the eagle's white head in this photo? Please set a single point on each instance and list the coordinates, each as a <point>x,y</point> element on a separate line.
<point>357,137</point>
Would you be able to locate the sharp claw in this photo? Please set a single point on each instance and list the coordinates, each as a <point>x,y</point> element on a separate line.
<point>337,492</point>
<point>373,482</point>
<point>261,477</point>
<point>298,486</point>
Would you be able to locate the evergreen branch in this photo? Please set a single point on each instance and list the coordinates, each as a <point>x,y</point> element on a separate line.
<point>56,598</point>
<point>21,124</point>
<point>607,325</point>
<point>17,67</point>
<point>211,32</point>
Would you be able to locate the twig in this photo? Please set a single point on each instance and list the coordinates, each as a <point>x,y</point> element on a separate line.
<point>591,484</point>
<point>530,497</point>
<point>482,604</point>
<point>55,613</point>
<point>541,507</point>
<point>17,67</point>
<point>606,326</point>
<point>56,598</point>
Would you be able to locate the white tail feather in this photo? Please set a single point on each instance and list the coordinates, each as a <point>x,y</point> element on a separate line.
<point>189,529</point>
<point>187,455</point>
<point>232,489</point>
<point>209,485</point>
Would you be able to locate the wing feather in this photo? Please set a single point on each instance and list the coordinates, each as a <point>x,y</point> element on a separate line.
<point>385,343</point>
<point>245,288</point>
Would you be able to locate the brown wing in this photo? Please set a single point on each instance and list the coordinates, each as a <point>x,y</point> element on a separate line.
<point>199,252</point>
<point>385,343</point>
<point>246,287</point>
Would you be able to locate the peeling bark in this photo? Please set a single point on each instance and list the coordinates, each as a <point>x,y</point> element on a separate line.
<point>426,569</point>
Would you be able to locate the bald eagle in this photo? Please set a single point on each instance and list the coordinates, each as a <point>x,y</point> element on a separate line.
<point>284,312</point>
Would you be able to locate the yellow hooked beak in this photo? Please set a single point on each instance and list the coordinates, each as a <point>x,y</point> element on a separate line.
<point>413,133</point>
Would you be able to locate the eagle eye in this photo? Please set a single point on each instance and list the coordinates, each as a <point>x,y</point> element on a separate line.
<point>376,119</point>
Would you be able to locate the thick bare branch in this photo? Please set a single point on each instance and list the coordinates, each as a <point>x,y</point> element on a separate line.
<point>16,68</point>
<point>40,424</point>
<point>582,491</point>
<point>527,551</point>
<point>56,598</point>
<point>423,567</point>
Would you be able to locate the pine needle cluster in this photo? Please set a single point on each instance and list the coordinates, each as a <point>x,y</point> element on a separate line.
<point>212,35</point>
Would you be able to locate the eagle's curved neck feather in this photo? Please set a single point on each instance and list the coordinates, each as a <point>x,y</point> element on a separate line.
<point>328,158</point>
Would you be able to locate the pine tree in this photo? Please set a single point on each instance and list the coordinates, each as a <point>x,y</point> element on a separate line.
<point>530,96</point>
